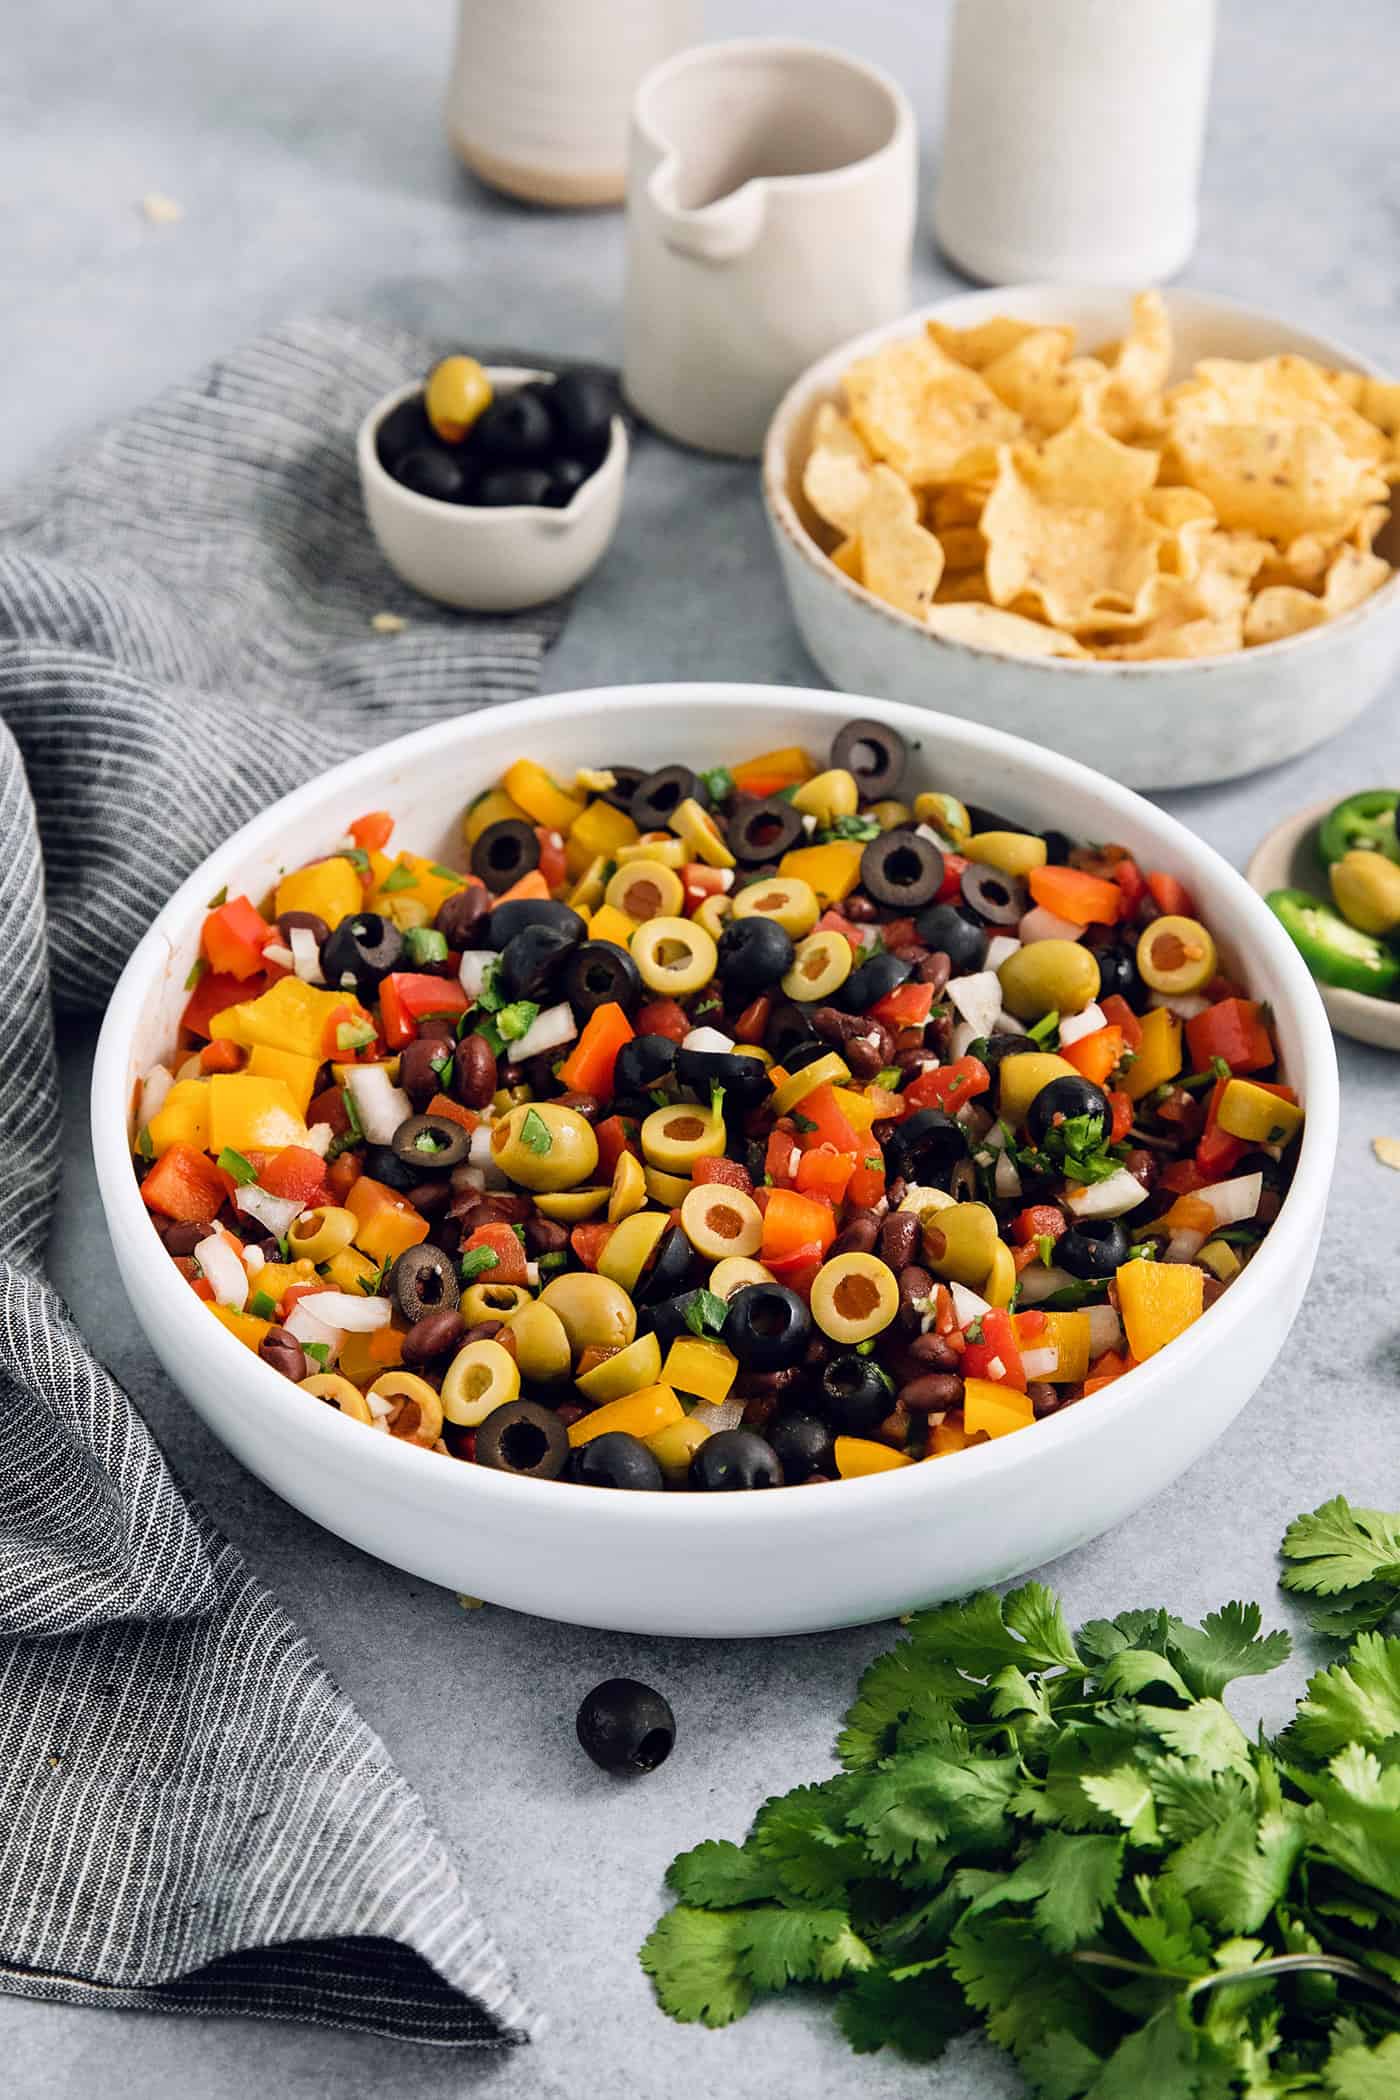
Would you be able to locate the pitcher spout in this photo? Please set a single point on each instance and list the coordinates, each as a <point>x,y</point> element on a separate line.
<point>712,233</point>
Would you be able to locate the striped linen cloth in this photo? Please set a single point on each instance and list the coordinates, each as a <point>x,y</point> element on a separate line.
<point>193,1817</point>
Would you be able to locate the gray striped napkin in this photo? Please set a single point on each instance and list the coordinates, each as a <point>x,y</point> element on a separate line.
<point>192,1816</point>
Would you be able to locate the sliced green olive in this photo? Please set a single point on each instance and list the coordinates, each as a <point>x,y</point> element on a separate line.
<point>820,966</point>
<point>645,889</point>
<point>1013,852</point>
<point>675,956</point>
<point>1178,955</point>
<point>854,1297</point>
<point>674,1138</point>
<point>719,1220</point>
<point>571,1206</point>
<point>493,1301</point>
<point>736,1270</point>
<point>480,1378</point>
<point>631,1245</point>
<point>827,796</point>
<point>786,898</point>
<point>960,1243</point>
<point>636,1365</point>
<point>541,1343</point>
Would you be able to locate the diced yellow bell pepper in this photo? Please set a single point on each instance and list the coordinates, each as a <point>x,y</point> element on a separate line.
<point>610,924</point>
<point>410,879</point>
<point>788,765</point>
<point>1157,1057</point>
<point>299,1072</point>
<point>598,832</point>
<point>653,845</point>
<point>998,1287</point>
<point>858,1109</point>
<point>675,1446</point>
<point>540,796</point>
<point>494,807</point>
<point>1158,1300</point>
<point>182,1118</point>
<point>639,1414</point>
<point>587,892</point>
<point>1020,1078</point>
<point>330,888</point>
<point>389,1066</point>
<point>949,1436</point>
<point>995,1409</point>
<point>290,1015</point>
<point>859,1455</point>
<point>386,1224</point>
<point>244,1327</point>
<point>351,1271</point>
<point>275,1277</point>
<point>1221,1259</point>
<point>832,870</point>
<point>1067,1333</point>
<point>702,1367</point>
<point>1251,1112</point>
<point>363,1356</point>
<point>252,1115</point>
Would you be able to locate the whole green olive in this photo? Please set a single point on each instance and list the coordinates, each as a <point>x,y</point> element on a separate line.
<point>1366,890</point>
<point>596,1312</point>
<point>543,1146</point>
<point>960,1243</point>
<point>541,1343</point>
<point>1047,977</point>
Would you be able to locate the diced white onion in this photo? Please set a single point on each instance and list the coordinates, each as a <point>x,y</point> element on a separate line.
<point>718,1414</point>
<point>1007,1024</point>
<point>274,1212</point>
<point>379,1407</point>
<point>1089,1022</point>
<point>935,838</point>
<point>1040,1363</point>
<point>472,970</point>
<point>1105,1330</point>
<point>1042,925</point>
<point>999,947</point>
<point>277,952</point>
<point>1006,1180</point>
<point>963,1037</point>
<point>154,1088</point>
<point>977,998</point>
<point>305,1327</point>
<point>1184,1244</point>
<point>380,1105</point>
<point>191,1068</point>
<point>995,1367</point>
<point>306,956</point>
<point>809,824</point>
<point>548,1031</point>
<point>352,1315</point>
<point>319,1139</point>
<point>967,1306</point>
<point>726,878</point>
<point>1185,1005</point>
<point>254,1259</point>
<point>1232,1202</point>
<point>479,1146</point>
<point>474,1177</point>
<point>532,1273</point>
<point>1038,1282</point>
<point>1113,1198</point>
<point>708,1039</point>
<point>223,1271</point>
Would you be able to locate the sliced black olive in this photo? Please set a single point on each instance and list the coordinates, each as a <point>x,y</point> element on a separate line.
<point>626,781</point>
<point>671,1271</point>
<point>659,795</point>
<point>790,1033</point>
<point>1118,972</point>
<point>1093,1248</point>
<point>423,1280</point>
<point>872,981</point>
<point>753,955</point>
<point>768,1326</point>
<point>1057,848</point>
<point>615,1460</point>
<point>523,1437</point>
<point>510,488</point>
<point>669,1318</point>
<point>993,1048</point>
<point>431,472</point>
<point>735,1459</point>
<point>364,947</point>
<point>1067,1096</point>
<point>874,754</point>
<point>601,974</point>
<point>902,869</point>
<point>855,1394</point>
<point>405,429</point>
<point>626,1726</point>
<point>566,478</point>
<point>999,899</point>
<point>744,1079</point>
<point>431,1144</point>
<point>962,940</point>
<point>516,430</point>
<point>532,962</point>
<point>926,1147</point>
<point>804,1053</point>
<point>582,405</point>
<point>504,921</point>
<point>645,1062</point>
<point>759,832</point>
<point>504,852</point>
<point>803,1445</point>
<point>382,1164</point>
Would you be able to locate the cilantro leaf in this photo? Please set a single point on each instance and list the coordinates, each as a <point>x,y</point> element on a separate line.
<point>929,1797</point>
<point>692,1958</point>
<point>1071,1879</point>
<point>398,878</point>
<point>1356,1701</point>
<point>718,783</point>
<point>916,2010</point>
<point>1355,2072</point>
<point>476,1261</point>
<point>233,1163</point>
<point>804,1838</point>
<point>534,1132</point>
<point>1008,1974</point>
<point>1234,1873</point>
<point>1336,1548</point>
<point>705,1313</point>
<point>718,1874</point>
<point>1227,1644</point>
<point>1354,1817</point>
<point>517,1019</point>
<point>778,1945</point>
<point>1160,2058</point>
<point>489,998</point>
<point>262,1307</point>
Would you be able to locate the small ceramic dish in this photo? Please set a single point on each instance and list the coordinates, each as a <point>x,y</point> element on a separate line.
<point>1165,724</point>
<point>489,560</point>
<point>1288,859</point>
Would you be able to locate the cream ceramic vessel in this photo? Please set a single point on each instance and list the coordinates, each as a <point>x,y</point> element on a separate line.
<point>723,1564</point>
<point>1154,725</point>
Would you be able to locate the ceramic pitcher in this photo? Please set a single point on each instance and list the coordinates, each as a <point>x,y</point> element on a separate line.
<point>771,193</point>
<point>540,90</point>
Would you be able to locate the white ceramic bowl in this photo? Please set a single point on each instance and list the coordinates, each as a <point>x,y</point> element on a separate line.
<point>1155,725</point>
<point>1288,859</point>
<point>725,1564</point>
<point>484,560</point>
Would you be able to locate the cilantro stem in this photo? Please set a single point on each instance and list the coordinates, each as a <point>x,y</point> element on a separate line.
<point>1276,1965</point>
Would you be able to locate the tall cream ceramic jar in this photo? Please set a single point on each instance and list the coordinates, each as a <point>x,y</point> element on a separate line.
<point>540,90</point>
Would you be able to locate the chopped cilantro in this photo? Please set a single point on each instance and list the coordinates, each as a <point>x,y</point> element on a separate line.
<point>548,1263</point>
<point>516,1021</point>
<point>1220,1068</point>
<point>1143,1251</point>
<point>352,1113</point>
<point>862,828</point>
<point>1045,1248</point>
<point>197,970</point>
<point>488,998</point>
<point>717,1100</point>
<point>705,1313</point>
<point>435,867</point>
<point>718,783</point>
<point>1091,1290</point>
<point>534,1132</point>
<point>974,1331</point>
<point>219,897</point>
<point>319,1352</point>
<point>888,1077</point>
<point>262,1307</point>
<point>802,1123</point>
<point>476,1261</point>
<point>145,1143</point>
<point>242,1170</point>
<point>425,945</point>
<point>873,1162</point>
<point>660,1098</point>
<point>1047,1026</point>
<point>399,878</point>
<point>441,1065</point>
<point>357,857</point>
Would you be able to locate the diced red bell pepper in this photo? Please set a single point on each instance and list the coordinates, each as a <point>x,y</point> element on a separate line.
<point>1181,1177</point>
<point>1122,1107</point>
<point>752,1024</point>
<point>663,1017</point>
<point>233,938</point>
<point>780,1157</point>
<point>907,1006</point>
<point>829,1126</point>
<point>329,1107</point>
<point>699,882</point>
<point>1118,1014</point>
<point>797,1270</point>
<point>1132,882</point>
<point>950,889</point>
<point>899,933</point>
<point>452,1111</point>
<point>866,1186</point>
<point>615,1135</point>
<point>298,1174</point>
<point>948,1087</point>
<point>504,1242</point>
<point>832,921</point>
<point>991,1350</point>
<point>1170,896</point>
<point>1039,1221</point>
<point>185,1184</point>
<point>791,1221</point>
<point>730,1172</point>
<point>588,1068</point>
<point>1096,1056</point>
<point>342,1174</point>
<point>1233,1029</point>
<point>825,1172</point>
<point>551,863</point>
<point>589,1240</point>
<point>407,996</point>
<point>214,991</point>
<point>373,831</point>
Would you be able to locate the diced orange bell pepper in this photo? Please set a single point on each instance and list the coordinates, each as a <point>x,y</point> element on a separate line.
<point>1083,899</point>
<point>791,1221</point>
<point>244,1327</point>
<point>1233,1029</point>
<point>1172,898</point>
<point>907,1006</point>
<point>186,1185</point>
<point>951,1434</point>
<point>771,771</point>
<point>639,1414</point>
<point>588,1068</point>
<point>452,1111</point>
<point>825,1172</point>
<point>1158,1300</point>
<point>504,1242</point>
<point>386,1223</point>
<point>532,885</point>
<point>829,1125</point>
<point>858,1456</point>
<point>233,938</point>
<point>1118,1014</point>
<point>867,1183</point>
<point>373,831</point>
<point>222,1057</point>
<point>1103,1372</point>
<point>1097,1056</point>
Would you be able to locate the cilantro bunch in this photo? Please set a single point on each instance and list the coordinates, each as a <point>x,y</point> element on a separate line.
<point>1068,1841</point>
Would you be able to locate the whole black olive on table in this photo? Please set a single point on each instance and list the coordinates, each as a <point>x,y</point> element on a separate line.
<point>582,405</point>
<point>626,1727</point>
<point>516,430</point>
<point>405,429</point>
<point>433,473</point>
<point>507,488</point>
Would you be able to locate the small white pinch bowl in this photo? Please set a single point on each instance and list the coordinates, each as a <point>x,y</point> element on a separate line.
<point>1169,724</point>
<point>489,560</point>
<point>1288,859</point>
<point>716,1565</point>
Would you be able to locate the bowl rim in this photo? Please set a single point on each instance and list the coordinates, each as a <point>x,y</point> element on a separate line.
<point>979,1467</point>
<point>822,376</point>
<point>480,516</point>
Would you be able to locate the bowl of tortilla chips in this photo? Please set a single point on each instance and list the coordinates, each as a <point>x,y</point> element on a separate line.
<point>1152,532</point>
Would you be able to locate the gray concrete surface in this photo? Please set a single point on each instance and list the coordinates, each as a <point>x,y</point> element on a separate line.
<point>304,144</point>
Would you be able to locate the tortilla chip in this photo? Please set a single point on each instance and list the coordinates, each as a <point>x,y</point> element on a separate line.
<point>1279,480</point>
<point>1285,389</point>
<point>847,560</point>
<point>1066,527</point>
<point>963,547</point>
<point>900,561</point>
<point>836,479</point>
<point>958,504</point>
<point>963,587</point>
<point>1351,579</point>
<point>984,343</point>
<point>987,627</point>
<point>1280,611</point>
<point>1183,638</point>
<point>1044,387</point>
<point>922,412</point>
<point>1139,369</point>
<point>1185,520</point>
